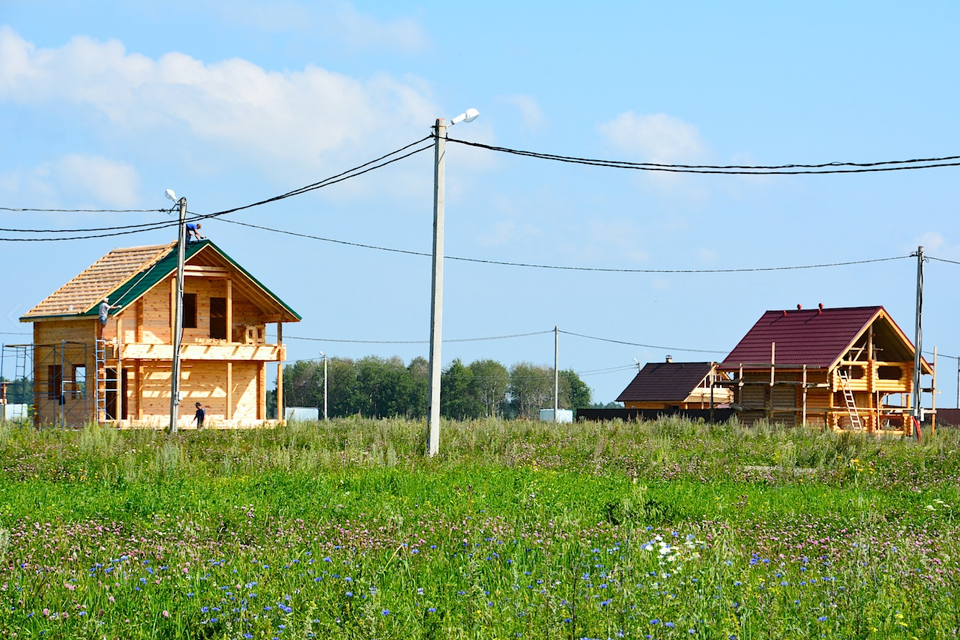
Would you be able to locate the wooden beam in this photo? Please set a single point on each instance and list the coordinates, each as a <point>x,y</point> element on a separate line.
<point>210,272</point>
<point>138,384</point>
<point>223,351</point>
<point>229,412</point>
<point>280,376</point>
<point>139,325</point>
<point>230,311</point>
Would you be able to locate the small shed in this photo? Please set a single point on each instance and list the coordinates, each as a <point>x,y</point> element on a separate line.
<point>675,385</point>
<point>121,373</point>
<point>840,368</point>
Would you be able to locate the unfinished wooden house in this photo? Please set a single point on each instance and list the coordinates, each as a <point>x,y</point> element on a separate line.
<point>844,368</point>
<point>121,374</point>
<point>675,385</point>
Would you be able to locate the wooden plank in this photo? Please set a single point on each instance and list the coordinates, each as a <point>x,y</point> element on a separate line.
<point>280,415</point>
<point>193,351</point>
<point>230,311</point>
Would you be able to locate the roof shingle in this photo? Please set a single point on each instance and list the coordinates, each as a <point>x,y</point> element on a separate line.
<point>665,382</point>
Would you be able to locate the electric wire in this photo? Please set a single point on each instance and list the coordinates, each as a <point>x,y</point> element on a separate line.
<point>938,259</point>
<point>128,229</point>
<point>638,344</point>
<point>515,335</point>
<point>562,267</point>
<point>825,168</point>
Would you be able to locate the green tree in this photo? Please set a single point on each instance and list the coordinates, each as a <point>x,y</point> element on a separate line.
<point>574,392</point>
<point>303,384</point>
<point>531,389</point>
<point>419,372</point>
<point>456,398</point>
<point>489,385</point>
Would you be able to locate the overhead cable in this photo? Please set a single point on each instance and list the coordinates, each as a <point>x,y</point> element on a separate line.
<point>638,344</point>
<point>561,267</point>
<point>128,229</point>
<point>515,335</point>
<point>787,169</point>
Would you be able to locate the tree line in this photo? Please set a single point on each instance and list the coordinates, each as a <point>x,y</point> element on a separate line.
<point>386,387</point>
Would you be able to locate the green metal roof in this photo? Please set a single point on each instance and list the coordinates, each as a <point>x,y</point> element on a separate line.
<point>128,293</point>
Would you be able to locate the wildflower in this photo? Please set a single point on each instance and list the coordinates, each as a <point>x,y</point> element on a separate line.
<point>166,614</point>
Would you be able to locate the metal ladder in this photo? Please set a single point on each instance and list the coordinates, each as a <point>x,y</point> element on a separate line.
<point>851,403</point>
<point>102,382</point>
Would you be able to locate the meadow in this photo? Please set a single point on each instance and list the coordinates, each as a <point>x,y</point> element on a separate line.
<point>519,529</point>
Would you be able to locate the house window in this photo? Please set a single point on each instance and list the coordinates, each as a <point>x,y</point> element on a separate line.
<point>889,372</point>
<point>79,381</point>
<point>189,311</point>
<point>218,318</point>
<point>54,381</point>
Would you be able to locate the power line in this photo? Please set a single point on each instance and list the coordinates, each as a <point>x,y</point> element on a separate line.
<point>561,267</point>
<point>940,259</point>
<point>128,229</point>
<point>32,209</point>
<point>515,335</point>
<point>638,344</point>
<point>787,169</point>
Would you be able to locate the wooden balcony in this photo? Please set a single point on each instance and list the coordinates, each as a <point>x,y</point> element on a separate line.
<point>221,350</point>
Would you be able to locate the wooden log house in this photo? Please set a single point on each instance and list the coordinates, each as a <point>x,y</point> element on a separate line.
<point>675,386</point>
<point>844,368</point>
<point>120,375</point>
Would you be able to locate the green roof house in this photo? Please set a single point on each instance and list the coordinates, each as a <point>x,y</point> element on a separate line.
<point>119,373</point>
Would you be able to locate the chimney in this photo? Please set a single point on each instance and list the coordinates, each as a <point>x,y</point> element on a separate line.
<point>820,309</point>
<point>669,359</point>
<point>799,307</point>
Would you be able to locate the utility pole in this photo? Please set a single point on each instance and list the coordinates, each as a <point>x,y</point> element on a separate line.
<point>324,356</point>
<point>918,340</point>
<point>178,320</point>
<point>556,373</point>
<point>436,291</point>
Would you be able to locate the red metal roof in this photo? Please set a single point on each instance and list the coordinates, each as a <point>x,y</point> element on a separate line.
<point>814,337</point>
<point>665,382</point>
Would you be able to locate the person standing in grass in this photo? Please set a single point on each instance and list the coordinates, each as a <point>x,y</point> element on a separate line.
<point>199,416</point>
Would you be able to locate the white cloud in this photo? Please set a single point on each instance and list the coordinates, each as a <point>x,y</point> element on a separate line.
<point>112,183</point>
<point>301,116</point>
<point>83,178</point>
<point>530,112</point>
<point>338,21</point>
<point>654,138</point>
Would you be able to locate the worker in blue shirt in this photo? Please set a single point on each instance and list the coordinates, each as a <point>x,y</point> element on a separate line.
<point>193,232</point>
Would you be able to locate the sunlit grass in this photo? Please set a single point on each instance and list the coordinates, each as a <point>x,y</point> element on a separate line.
<point>518,529</point>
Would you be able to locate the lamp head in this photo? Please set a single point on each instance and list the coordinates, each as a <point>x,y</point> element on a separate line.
<point>170,195</point>
<point>467,116</point>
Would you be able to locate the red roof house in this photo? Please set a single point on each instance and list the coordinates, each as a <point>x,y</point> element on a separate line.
<point>845,368</point>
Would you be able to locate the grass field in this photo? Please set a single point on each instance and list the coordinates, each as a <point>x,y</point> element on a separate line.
<point>518,530</point>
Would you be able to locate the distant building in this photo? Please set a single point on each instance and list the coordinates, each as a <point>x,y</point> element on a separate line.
<point>121,374</point>
<point>675,385</point>
<point>843,368</point>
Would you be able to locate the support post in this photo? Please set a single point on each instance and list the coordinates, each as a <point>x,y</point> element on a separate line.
<point>228,413</point>
<point>803,419</point>
<point>178,320</point>
<point>280,374</point>
<point>933,396</point>
<point>324,387</point>
<point>556,374</point>
<point>918,342</point>
<point>436,292</point>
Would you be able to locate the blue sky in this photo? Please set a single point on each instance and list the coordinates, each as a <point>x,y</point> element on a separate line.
<point>106,104</point>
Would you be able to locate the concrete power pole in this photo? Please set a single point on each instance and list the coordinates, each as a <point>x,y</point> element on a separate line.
<point>436,291</point>
<point>178,320</point>
<point>556,374</point>
<point>918,340</point>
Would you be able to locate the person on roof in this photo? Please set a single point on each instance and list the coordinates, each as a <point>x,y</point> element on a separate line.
<point>193,233</point>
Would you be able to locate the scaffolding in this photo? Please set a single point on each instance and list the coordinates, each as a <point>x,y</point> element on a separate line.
<point>61,378</point>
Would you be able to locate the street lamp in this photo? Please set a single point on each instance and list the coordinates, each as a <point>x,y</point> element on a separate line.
<point>324,356</point>
<point>436,292</point>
